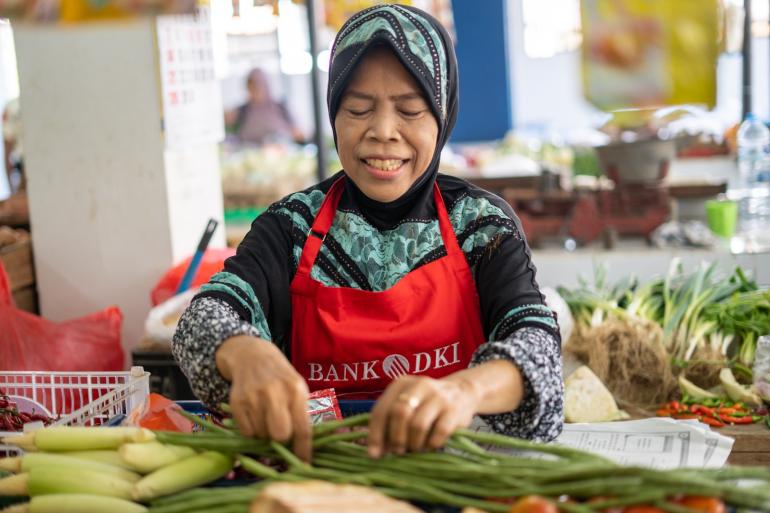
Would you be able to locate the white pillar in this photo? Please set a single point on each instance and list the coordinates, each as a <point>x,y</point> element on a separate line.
<point>111,207</point>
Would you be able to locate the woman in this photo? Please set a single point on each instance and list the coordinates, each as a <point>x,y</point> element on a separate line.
<point>262,119</point>
<point>387,276</point>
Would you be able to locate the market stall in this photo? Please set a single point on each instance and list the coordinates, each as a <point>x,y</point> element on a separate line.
<point>381,314</point>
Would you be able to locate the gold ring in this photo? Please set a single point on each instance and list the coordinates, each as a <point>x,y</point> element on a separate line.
<point>412,401</point>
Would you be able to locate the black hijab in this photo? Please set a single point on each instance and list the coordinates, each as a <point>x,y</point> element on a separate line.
<point>425,49</point>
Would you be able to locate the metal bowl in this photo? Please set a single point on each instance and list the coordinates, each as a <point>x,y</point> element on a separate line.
<point>645,161</point>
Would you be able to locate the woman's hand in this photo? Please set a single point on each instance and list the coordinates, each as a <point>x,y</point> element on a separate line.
<point>268,397</point>
<point>417,412</point>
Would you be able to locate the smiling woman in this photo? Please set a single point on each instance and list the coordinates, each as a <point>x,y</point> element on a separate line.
<point>386,133</point>
<point>386,281</point>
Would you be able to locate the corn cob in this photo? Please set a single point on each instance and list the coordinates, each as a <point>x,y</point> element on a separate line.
<point>76,503</point>
<point>78,438</point>
<point>64,462</point>
<point>150,456</point>
<point>188,473</point>
<point>104,456</point>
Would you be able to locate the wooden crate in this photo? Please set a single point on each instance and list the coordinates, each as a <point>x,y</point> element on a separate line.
<point>26,299</point>
<point>20,268</point>
<point>17,260</point>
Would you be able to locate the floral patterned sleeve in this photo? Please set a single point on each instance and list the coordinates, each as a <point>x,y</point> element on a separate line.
<point>204,326</point>
<point>536,353</point>
<point>522,329</point>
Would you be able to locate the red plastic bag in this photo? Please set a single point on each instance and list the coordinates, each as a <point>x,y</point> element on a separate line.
<point>29,342</point>
<point>161,414</point>
<point>212,262</point>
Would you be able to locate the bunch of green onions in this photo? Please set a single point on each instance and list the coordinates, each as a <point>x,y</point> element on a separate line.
<point>702,309</point>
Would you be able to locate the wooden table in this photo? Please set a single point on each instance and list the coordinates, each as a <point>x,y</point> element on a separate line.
<point>752,444</point>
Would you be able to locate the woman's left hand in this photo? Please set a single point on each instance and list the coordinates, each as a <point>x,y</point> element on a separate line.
<point>418,412</point>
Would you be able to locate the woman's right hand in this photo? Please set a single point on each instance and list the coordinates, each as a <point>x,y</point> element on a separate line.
<point>267,395</point>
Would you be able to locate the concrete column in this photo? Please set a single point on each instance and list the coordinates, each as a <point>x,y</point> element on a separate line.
<point>111,206</point>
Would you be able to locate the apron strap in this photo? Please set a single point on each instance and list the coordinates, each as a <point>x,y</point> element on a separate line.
<point>325,217</point>
<point>447,232</point>
<point>321,225</point>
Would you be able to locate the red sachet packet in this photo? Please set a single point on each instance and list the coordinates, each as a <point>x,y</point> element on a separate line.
<point>322,406</point>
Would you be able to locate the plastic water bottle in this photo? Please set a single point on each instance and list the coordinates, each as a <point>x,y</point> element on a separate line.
<point>754,182</point>
<point>761,367</point>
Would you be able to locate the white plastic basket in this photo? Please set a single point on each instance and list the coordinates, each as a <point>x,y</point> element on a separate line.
<point>77,398</point>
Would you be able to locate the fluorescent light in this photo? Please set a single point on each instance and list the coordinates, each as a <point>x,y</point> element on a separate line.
<point>296,63</point>
<point>323,60</point>
<point>253,20</point>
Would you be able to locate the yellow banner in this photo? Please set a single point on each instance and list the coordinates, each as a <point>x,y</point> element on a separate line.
<point>338,11</point>
<point>650,53</point>
<point>77,11</point>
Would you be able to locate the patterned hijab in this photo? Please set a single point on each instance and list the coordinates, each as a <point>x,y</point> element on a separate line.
<point>425,49</point>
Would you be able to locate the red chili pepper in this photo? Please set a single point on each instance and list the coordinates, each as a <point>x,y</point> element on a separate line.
<point>741,414</point>
<point>727,411</point>
<point>711,421</point>
<point>675,406</point>
<point>736,420</point>
<point>686,416</point>
<point>663,412</point>
<point>705,410</point>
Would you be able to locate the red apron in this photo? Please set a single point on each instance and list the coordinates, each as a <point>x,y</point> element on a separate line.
<point>358,341</point>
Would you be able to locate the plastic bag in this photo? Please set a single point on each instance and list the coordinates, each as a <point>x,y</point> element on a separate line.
<point>160,414</point>
<point>29,342</point>
<point>162,320</point>
<point>212,262</point>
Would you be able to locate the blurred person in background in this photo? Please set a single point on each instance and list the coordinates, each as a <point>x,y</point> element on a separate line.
<point>262,119</point>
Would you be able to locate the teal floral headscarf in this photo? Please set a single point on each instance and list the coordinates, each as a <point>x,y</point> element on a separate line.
<point>426,50</point>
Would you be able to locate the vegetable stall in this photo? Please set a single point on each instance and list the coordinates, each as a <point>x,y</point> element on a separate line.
<point>688,345</point>
<point>135,470</point>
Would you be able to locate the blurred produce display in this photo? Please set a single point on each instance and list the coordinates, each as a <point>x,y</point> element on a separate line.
<point>255,177</point>
<point>699,325</point>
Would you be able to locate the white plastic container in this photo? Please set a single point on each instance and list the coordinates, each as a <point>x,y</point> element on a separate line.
<point>76,398</point>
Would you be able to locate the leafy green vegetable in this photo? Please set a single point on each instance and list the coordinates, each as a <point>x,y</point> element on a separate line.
<point>695,310</point>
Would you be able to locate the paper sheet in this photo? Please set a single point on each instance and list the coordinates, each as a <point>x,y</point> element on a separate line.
<point>660,443</point>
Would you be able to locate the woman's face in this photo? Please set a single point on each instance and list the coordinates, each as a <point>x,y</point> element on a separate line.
<point>386,132</point>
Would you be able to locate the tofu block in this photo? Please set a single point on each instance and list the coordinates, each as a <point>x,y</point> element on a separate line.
<point>322,497</point>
